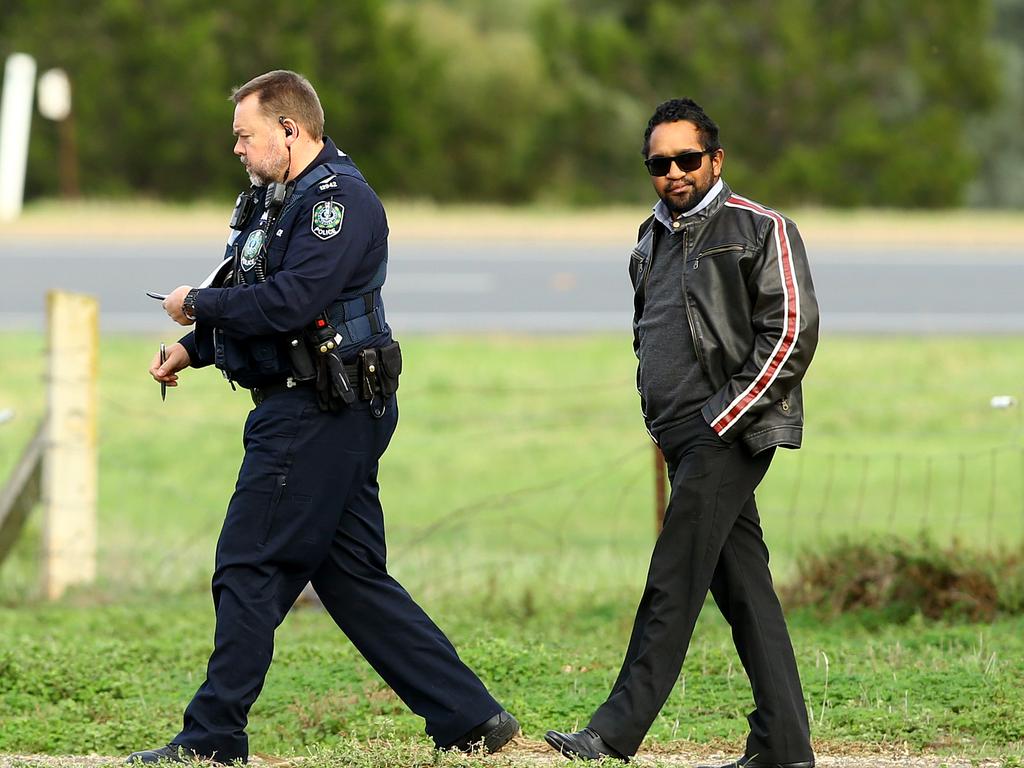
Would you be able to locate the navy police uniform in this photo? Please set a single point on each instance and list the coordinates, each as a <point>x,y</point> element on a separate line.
<point>305,507</point>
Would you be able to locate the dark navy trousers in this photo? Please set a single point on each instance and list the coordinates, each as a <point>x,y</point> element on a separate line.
<point>306,508</point>
<point>711,540</point>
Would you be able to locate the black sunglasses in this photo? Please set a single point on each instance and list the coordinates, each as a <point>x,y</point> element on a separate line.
<point>687,161</point>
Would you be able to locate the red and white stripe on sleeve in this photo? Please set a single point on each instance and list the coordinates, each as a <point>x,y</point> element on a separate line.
<point>791,323</point>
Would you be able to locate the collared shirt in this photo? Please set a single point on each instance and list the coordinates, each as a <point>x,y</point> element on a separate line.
<point>663,214</point>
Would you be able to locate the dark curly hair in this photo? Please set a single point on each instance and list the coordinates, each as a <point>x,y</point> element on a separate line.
<point>672,111</point>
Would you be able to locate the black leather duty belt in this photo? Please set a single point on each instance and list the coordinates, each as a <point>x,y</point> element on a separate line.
<point>259,394</point>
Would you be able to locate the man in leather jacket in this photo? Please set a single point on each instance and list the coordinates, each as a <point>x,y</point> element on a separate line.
<point>725,324</point>
<point>306,506</point>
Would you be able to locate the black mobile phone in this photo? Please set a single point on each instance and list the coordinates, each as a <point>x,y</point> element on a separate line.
<point>157,296</point>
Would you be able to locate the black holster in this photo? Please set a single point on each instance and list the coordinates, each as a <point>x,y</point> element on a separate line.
<point>304,366</point>
<point>333,389</point>
<point>379,369</point>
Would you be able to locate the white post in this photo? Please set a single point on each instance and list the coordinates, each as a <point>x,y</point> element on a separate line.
<point>53,96</point>
<point>15,121</point>
<point>70,469</point>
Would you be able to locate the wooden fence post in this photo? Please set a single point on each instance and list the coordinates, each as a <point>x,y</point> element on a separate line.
<point>70,468</point>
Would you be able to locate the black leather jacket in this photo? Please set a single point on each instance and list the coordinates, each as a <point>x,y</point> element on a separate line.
<point>750,302</point>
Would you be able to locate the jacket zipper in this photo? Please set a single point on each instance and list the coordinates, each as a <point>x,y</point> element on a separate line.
<point>716,250</point>
<point>686,306</point>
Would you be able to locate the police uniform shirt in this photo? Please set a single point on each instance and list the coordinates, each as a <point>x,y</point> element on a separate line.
<point>329,242</point>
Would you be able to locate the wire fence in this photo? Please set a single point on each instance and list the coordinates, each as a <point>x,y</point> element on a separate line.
<point>592,514</point>
<point>974,496</point>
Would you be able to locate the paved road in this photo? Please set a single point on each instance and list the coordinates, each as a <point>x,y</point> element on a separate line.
<point>536,287</point>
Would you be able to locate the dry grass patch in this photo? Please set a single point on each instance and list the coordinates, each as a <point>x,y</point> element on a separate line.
<point>427,221</point>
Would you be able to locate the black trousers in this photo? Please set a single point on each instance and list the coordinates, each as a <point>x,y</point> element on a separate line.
<point>712,539</point>
<point>306,508</point>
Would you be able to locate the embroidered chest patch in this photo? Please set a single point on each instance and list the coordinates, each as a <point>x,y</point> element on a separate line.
<point>251,249</point>
<point>327,218</point>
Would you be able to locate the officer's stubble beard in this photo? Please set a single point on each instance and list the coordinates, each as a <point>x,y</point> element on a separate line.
<point>271,169</point>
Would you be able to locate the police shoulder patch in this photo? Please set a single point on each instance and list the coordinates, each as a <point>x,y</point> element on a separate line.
<point>327,219</point>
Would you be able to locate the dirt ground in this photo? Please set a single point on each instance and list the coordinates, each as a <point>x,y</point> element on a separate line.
<point>525,753</point>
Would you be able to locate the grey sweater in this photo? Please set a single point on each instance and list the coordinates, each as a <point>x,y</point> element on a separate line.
<point>671,380</point>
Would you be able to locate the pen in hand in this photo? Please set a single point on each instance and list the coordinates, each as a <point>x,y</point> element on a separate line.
<point>163,359</point>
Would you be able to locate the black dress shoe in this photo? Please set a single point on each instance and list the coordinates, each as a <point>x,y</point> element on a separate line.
<point>490,736</point>
<point>586,745</point>
<point>753,762</point>
<point>174,753</point>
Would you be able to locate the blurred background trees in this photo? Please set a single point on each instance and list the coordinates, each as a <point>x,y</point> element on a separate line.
<point>846,103</point>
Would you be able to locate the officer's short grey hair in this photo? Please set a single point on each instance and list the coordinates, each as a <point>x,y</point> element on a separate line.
<point>283,93</point>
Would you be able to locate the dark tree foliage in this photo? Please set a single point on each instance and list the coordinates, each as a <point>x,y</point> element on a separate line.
<point>850,102</point>
<point>1000,177</point>
<point>152,82</point>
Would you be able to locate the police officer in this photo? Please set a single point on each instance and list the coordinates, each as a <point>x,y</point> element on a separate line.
<point>295,316</point>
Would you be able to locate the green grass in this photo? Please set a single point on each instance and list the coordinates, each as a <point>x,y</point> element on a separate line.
<point>528,457</point>
<point>108,679</point>
<point>521,475</point>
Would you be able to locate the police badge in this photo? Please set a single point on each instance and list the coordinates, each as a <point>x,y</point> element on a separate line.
<point>251,249</point>
<point>327,218</point>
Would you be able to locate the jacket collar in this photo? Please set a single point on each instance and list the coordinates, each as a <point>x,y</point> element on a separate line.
<point>705,209</point>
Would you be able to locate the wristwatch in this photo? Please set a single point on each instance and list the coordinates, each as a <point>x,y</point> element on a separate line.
<point>188,306</point>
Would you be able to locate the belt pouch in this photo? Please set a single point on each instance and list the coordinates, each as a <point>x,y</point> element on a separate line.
<point>390,368</point>
<point>303,365</point>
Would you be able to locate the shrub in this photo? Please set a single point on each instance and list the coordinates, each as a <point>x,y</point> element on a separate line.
<point>901,578</point>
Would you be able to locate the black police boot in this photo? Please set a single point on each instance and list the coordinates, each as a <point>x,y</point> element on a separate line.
<point>753,762</point>
<point>173,753</point>
<point>584,745</point>
<point>490,736</point>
